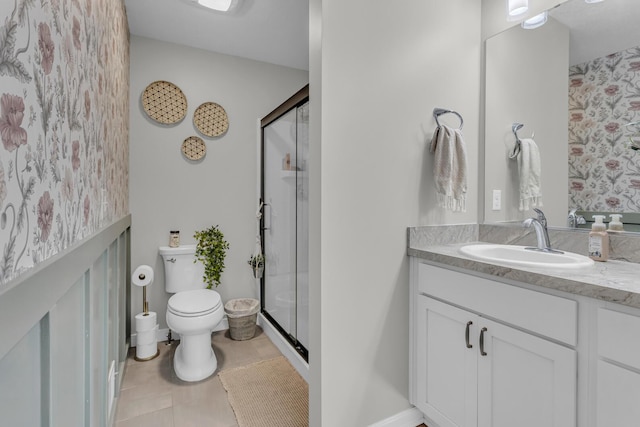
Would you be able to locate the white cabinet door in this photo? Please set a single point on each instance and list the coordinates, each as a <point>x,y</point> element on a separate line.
<point>618,369</point>
<point>618,393</point>
<point>524,380</point>
<point>446,368</point>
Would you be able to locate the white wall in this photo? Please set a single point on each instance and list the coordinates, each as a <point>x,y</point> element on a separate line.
<point>526,82</point>
<point>168,192</point>
<point>376,74</point>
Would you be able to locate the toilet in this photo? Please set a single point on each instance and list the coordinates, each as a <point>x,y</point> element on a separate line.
<point>193,312</point>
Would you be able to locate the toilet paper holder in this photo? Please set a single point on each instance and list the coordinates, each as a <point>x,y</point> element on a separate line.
<point>146,330</point>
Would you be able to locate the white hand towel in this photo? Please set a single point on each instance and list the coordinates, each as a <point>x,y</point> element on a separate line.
<point>450,168</point>
<point>529,170</point>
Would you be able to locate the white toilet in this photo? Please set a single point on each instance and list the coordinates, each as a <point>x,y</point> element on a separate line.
<point>193,312</point>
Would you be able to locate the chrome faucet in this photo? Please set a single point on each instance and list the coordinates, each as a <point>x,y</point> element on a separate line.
<point>573,220</point>
<point>542,234</point>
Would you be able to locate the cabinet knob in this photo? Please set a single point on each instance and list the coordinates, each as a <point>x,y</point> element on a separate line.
<point>466,334</point>
<point>482,352</point>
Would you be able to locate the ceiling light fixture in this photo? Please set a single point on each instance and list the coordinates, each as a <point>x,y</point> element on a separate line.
<point>593,1</point>
<point>219,5</point>
<point>535,21</point>
<point>517,7</point>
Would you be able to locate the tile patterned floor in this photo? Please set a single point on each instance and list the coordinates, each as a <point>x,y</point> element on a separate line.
<point>152,395</point>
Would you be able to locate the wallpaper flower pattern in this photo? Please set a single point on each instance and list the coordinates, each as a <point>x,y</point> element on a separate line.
<point>604,97</point>
<point>64,120</point>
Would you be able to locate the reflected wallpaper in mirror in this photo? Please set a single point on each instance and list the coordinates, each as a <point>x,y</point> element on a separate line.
<point>604,101</point>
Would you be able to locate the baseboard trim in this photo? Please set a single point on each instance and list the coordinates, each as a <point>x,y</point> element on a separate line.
<point>285,348</point>
<point>411,417</point>
<point>162,334</point>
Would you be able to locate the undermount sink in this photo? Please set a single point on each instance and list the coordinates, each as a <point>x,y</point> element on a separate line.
<point>519,256</point>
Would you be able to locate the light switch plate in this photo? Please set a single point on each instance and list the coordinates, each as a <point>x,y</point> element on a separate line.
<point>497,200</point>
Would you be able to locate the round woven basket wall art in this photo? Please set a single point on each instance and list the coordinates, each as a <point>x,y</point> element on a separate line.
<point>193,148</point>
<point>164,102</point>
<point>210,119</point>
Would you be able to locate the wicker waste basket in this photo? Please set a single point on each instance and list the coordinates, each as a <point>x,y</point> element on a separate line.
<point>242,314</point>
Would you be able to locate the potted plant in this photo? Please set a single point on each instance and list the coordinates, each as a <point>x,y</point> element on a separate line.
<point>211,250</point>
<point>257,265</point>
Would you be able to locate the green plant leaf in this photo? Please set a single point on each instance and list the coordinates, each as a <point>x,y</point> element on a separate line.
<point>211,250</point>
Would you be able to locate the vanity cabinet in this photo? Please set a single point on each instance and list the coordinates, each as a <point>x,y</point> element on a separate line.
<point>489,354</point>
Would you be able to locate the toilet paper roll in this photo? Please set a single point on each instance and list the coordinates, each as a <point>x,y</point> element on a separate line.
<point>142,276</point>
<point>146,351</point>
<point>147,337</point>
<point>146,323</point>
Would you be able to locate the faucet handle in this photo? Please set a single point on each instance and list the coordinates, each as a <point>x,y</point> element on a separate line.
<point>541,217</point>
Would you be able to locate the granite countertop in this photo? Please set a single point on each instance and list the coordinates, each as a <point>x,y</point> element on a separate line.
<point>614,281</point>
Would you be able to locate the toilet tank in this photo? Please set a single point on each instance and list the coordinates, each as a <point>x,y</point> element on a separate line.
<point>180,272</point>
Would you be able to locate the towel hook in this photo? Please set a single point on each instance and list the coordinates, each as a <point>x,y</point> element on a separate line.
<point>439,111</point>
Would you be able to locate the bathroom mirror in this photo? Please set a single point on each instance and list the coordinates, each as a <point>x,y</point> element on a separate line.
<point>578,123</point>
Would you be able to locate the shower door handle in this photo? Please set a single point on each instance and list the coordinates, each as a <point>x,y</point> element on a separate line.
<point>266,216</point>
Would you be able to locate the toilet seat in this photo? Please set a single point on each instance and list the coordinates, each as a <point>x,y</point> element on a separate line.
<point>194,303</point>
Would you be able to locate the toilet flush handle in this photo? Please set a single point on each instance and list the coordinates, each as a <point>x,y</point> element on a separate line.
<point>171,260</point>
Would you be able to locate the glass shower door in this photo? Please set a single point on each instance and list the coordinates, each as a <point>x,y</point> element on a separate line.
<point>285,224</point>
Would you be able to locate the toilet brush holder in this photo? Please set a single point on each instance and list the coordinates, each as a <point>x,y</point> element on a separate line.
<point>146,322</point>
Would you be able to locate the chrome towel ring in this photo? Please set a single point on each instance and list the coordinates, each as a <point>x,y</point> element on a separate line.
<point>516,149</point>
<point>440,111</point>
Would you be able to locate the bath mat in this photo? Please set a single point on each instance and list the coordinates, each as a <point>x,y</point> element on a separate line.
<point>267,394</point>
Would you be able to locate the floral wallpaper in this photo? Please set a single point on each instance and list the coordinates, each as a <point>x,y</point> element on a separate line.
<point>64,112</point>
<point>604,98</point>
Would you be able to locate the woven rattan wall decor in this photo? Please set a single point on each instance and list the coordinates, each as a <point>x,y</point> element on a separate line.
<point>210,119</point>
<point>193,148</point>
<point>164,102</point>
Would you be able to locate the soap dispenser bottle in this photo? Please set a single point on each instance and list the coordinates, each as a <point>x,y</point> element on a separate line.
<point>615,224</point>
<point>598,240</point>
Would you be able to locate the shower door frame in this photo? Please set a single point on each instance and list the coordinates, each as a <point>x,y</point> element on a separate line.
<point>298,99</point>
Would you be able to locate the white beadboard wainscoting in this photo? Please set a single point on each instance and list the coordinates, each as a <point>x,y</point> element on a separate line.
<point>63,340</point>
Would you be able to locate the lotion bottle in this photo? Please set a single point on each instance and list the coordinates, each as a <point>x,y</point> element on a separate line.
<point>615,224</point>
<point>598,240</point>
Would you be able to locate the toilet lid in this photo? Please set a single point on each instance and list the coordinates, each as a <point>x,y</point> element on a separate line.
<point>194,303</point>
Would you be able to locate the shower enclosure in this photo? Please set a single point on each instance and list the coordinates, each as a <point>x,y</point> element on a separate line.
<point>285,226</point>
